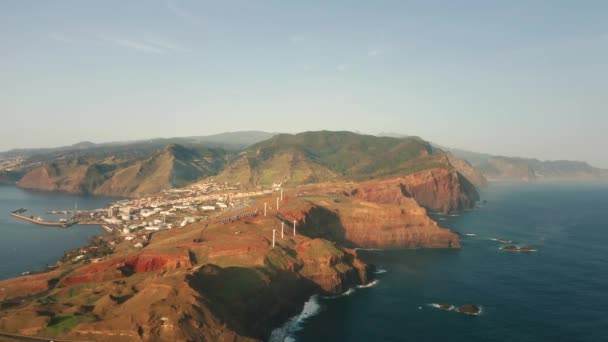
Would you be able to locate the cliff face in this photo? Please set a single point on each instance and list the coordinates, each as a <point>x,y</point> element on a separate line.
<point>397,223</point>
<point>441,190</point>
<point>468,171</point>
<point>438,190</point>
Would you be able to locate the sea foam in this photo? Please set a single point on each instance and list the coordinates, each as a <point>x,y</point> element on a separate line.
<point>380,270</point>
<point>286,333</point>
<point>343,294</point>
<point>370,284</point>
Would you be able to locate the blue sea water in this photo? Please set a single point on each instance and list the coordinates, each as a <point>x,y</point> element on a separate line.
<point>559,293</point>
<point>28,247</point>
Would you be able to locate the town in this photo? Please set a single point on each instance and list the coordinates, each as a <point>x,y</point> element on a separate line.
<point>130,223</point>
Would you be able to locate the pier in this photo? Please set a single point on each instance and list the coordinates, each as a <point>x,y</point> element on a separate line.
<point>36,220</point>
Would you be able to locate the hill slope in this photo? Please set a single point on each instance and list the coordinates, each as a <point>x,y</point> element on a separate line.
<point>172,166</point>
<point>313,157</point>
<point>228,140</point>
<point>500,168</point>
<point>321,156</point>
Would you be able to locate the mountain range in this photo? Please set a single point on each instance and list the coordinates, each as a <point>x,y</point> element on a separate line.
<point>254,158</point>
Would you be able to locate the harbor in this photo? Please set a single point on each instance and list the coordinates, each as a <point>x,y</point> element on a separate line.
<point>63,223</point>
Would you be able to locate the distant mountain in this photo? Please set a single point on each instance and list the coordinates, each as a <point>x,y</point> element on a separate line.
<point>233,140</point>
<point>169,167</point>
<point>499,168</point>
<point>150,166</point>
<point>227,140</point>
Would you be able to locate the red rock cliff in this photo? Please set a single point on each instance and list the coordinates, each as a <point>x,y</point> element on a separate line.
<point>366,224</point>
<point>438,190</point>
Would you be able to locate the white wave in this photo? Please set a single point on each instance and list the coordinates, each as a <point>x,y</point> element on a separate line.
<point>494,239</point>
<point>470,234</point>
<point>438,306</point>
<point>286,333</point>
<point>380,270</point>
<point>371,284</point>
<point>343,294</point>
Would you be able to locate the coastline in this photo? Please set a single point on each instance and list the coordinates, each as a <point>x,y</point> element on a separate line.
<point>302,265</point>
<point>35,247</point>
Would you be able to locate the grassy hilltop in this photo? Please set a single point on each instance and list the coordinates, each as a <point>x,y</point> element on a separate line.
<point>323,156</point>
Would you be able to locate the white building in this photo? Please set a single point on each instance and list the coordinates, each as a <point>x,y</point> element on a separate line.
<point>112,220</point>
<point>125,210</point>
<point>207,208</point>
<point>187,220</point>
<point>147,212</point>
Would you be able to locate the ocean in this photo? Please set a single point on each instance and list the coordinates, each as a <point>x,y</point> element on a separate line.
<point>559,293</point>
<point>27,247</point>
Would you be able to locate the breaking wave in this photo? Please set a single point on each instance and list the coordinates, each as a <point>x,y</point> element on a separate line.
<point>286,333</point>
<point>438,306</point>
<point>343,294</point>
<point>370,284</point>
<point>380,270</point>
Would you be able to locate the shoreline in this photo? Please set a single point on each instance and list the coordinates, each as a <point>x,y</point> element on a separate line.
<point>48,200</point>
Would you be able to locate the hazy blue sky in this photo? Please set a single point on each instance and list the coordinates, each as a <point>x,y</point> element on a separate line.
<point>526,78</point>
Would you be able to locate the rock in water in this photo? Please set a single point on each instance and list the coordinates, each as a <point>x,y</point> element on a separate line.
<point>512,248</point>
<point>469,309</point>
<point>446,307</point>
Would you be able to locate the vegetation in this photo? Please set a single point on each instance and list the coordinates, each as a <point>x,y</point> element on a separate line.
<point>145,168</point>
<point>323,156</point>
<point>131,174</point>
<point>62,324</point>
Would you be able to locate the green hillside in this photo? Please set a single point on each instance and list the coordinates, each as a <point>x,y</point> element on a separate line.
<point>321,156</point>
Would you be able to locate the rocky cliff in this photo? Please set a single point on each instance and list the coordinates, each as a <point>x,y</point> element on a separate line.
<point>438,190</point>
<point>383,220</point>
<point>465,168</point>
<point>441,190</point>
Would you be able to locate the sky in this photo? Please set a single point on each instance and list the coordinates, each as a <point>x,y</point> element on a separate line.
<point>518,78</point>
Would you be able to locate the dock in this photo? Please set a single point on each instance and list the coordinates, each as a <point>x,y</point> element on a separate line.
<point>64,224</point>
<point>107,228</point>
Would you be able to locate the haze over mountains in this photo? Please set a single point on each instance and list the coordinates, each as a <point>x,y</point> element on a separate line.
<point>255,158</point>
